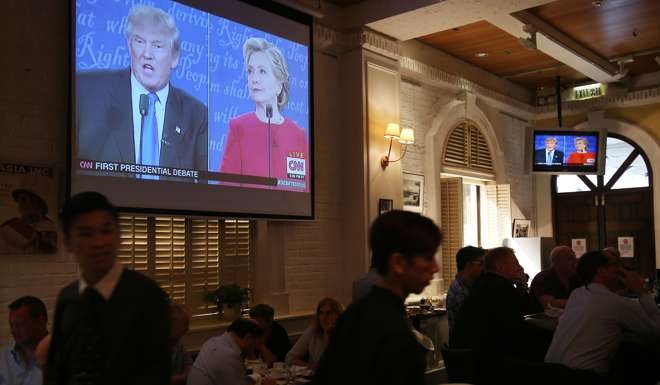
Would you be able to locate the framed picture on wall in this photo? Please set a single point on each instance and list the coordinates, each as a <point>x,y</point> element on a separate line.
<point>28,209</point>
<point>521,228</point>
<point>385,205</point>
<point>413,192</point>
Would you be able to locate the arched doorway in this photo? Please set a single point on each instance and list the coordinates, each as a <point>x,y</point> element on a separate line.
<point>603,208</point>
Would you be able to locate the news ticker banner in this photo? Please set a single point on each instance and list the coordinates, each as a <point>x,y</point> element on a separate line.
<point>295,170</point>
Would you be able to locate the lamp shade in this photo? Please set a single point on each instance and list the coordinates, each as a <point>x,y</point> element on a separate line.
<point>407,136</point>
<point>392,131</point>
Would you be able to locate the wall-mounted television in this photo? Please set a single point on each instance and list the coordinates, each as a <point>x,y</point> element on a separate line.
<point>566,151</point>
<point>193,106</point>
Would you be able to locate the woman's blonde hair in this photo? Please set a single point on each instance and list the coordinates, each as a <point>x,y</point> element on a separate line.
<point>280,70</point>
<point>583,140</point>
<point>334,305</point>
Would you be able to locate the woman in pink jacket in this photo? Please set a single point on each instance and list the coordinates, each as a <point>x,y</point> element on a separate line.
<point>264,142</point>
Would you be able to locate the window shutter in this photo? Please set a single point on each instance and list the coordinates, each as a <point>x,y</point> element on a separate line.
<point>170,256</point>
<point>467,148</point>
<point>451,217</point>
<point>457,142</point>
<point>187,257</point>
<point>498,207</point>
<point>133,249</point>
<point>479,152</point>
<point>204,265</point>
<point>235,251</point>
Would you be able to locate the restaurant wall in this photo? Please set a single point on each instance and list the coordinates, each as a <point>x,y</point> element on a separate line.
<point>507,140</point>
<point>637,118</point>
<point>33,118</point>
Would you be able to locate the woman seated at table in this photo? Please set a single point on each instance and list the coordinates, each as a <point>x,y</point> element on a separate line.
<point>310,346</point>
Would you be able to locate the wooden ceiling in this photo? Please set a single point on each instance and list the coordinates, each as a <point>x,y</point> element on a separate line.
<point>616,29</point>
<point>506,56</point>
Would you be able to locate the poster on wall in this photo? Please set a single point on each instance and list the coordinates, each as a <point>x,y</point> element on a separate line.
<point>626,247</point>
<point>413,192</point>
<point>579,246</point>
<point>28,206</point>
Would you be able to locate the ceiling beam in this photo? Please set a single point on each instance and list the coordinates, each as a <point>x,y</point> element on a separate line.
<point>441,16</point>
<point>558,45</point>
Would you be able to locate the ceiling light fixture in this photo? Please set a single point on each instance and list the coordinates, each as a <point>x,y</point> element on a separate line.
<point>528,42</point>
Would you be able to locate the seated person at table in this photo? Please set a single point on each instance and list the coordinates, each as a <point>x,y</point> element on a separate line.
<point>469,262</point>
<point>220,361</point>
<point>276,342</point>
<point>552,287</point>
<point>27,321</point>
<point>595,317</point>
<point>310,346</point>
<point>181,360</point>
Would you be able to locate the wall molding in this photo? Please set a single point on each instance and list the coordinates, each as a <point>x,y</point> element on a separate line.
<point>338,42</point>
<point>631,99</point>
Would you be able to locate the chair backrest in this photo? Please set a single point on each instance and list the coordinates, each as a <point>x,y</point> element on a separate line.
<point>461,364</point>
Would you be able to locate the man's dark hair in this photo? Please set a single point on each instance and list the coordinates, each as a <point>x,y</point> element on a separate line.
<point>468,254</point>
<point>588,264</point>
<point>84,203</point>
<point>263,311</point>
<point>404,232</point>
<point>36,307</point>
<point>242,327</point>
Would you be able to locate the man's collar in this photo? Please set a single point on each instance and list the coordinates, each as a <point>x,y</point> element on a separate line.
<point>107,284</point>
<point>16,352</point>
<point>137,86</point>
<point>598,287</point>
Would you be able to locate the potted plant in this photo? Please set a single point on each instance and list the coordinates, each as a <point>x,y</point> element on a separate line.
<point>230,300</point>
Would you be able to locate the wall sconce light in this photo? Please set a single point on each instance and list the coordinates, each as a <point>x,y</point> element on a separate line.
<point>405,136</point>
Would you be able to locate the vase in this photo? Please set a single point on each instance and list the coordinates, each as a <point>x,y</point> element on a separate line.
<point>230,311</point>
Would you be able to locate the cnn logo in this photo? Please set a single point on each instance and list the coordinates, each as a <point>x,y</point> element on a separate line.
<point>295,166</point>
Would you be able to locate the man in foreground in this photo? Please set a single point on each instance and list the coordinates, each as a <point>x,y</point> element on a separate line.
<point>112,325</point>
<point>373,342</point>
<point>27,321</point>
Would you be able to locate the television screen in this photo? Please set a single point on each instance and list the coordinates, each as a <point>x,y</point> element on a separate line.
<point>194,106</point>
<point>561,151</point>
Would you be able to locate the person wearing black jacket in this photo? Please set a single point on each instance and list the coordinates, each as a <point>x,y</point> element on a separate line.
<point>112,325</point>
<point>373,341</point>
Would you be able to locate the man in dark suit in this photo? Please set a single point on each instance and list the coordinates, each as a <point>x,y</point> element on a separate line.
<point>549,155</point>
<point>136,115</point>
<point>112,325</point>
<point>373,342</point>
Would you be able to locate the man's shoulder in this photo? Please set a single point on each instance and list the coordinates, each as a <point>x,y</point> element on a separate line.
<point>101,76</point>
<point>186,99</point>
<point>138,280</point>
<point>491,285</point>
<point>69,291</point>
<point>543,276</point>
